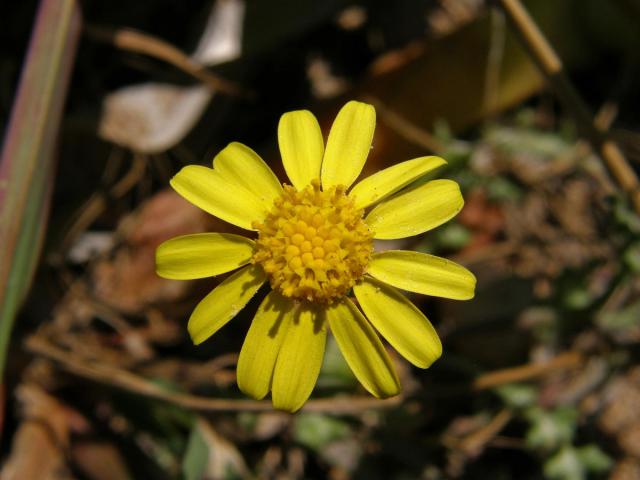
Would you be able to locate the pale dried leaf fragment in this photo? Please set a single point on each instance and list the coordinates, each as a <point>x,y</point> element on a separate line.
<point>154,117</point>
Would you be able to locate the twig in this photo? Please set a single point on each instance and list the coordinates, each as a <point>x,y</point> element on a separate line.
<point>527,372</point>
<point>135,384</point>
<point>134,41</point>
<point>131,178</point>
<point>403,127</point>
<point>551,65</point>
<point>97,203</point>
<point>500,441</point>
<point>476,441</point>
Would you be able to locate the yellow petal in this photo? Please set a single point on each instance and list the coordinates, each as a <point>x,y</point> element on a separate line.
<point>224,302</point>
<point>262,345</point>
<point>416,210</point>
<point>301,146</point>
<point>399,321</point>
<point>215,194</point>
<point>299,360</point>
<point>239,164</point>
<point>422,273</point>
<point>363,350</point>
<point>388,181</point>
<point>348,144</point>
<point>202,255</point>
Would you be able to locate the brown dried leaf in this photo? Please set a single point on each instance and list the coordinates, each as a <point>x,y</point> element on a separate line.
<point>38,447</point>
<point>128,281</point>
<point>629,440</point>
<point>627,469</point>
<point>100,461</point>
<point>622,398</point>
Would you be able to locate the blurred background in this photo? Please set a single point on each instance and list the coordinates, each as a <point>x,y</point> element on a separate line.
<point>539,376</point>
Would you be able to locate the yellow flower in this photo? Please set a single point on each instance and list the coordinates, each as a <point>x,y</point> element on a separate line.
<point>314,246</point>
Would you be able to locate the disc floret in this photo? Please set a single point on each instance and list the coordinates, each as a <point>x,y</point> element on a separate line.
<point>314,244</point>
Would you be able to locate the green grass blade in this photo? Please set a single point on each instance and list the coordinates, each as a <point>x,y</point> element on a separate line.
<point>27,162</point>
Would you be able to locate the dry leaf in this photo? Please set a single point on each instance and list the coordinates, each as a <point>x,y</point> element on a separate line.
<point>100,461</point>
<point>153,117</point>
<point>127,281</point>
<point>39,445</point>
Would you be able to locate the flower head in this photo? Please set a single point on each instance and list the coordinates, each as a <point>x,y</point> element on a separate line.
<point>314,247</point>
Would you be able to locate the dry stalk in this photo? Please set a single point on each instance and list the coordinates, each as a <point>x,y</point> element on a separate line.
<point>139,42</point>
<point>550,64</point>
<point>125,380</point>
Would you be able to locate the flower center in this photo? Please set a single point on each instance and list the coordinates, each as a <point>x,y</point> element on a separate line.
<point>314,244</point>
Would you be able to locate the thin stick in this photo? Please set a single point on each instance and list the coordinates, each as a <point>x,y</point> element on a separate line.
<point>551,65</point>
<point>97,203</point>
<point>405,128</point>
<point>527,372</point>
<point>125,380</point>
<point>134,41</point>
<point>476,441</point>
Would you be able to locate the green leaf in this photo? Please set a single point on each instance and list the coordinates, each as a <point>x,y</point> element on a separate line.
<point>196,456</point>
<point>502,189</point>
<point>625,216</point>
<point>316,431</point>
<point>594,459</point>
<point>564,465</point>
<point>453,236</point>
<point>523,141</point>
<point>620,320</point>
<point>577,297</point>
<point>335,373</point>
<point>631,257</point>
<point>518,395</point>
<point>550,430</point>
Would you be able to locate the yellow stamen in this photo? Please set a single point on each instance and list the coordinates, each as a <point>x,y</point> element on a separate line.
<point>314,244</point>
